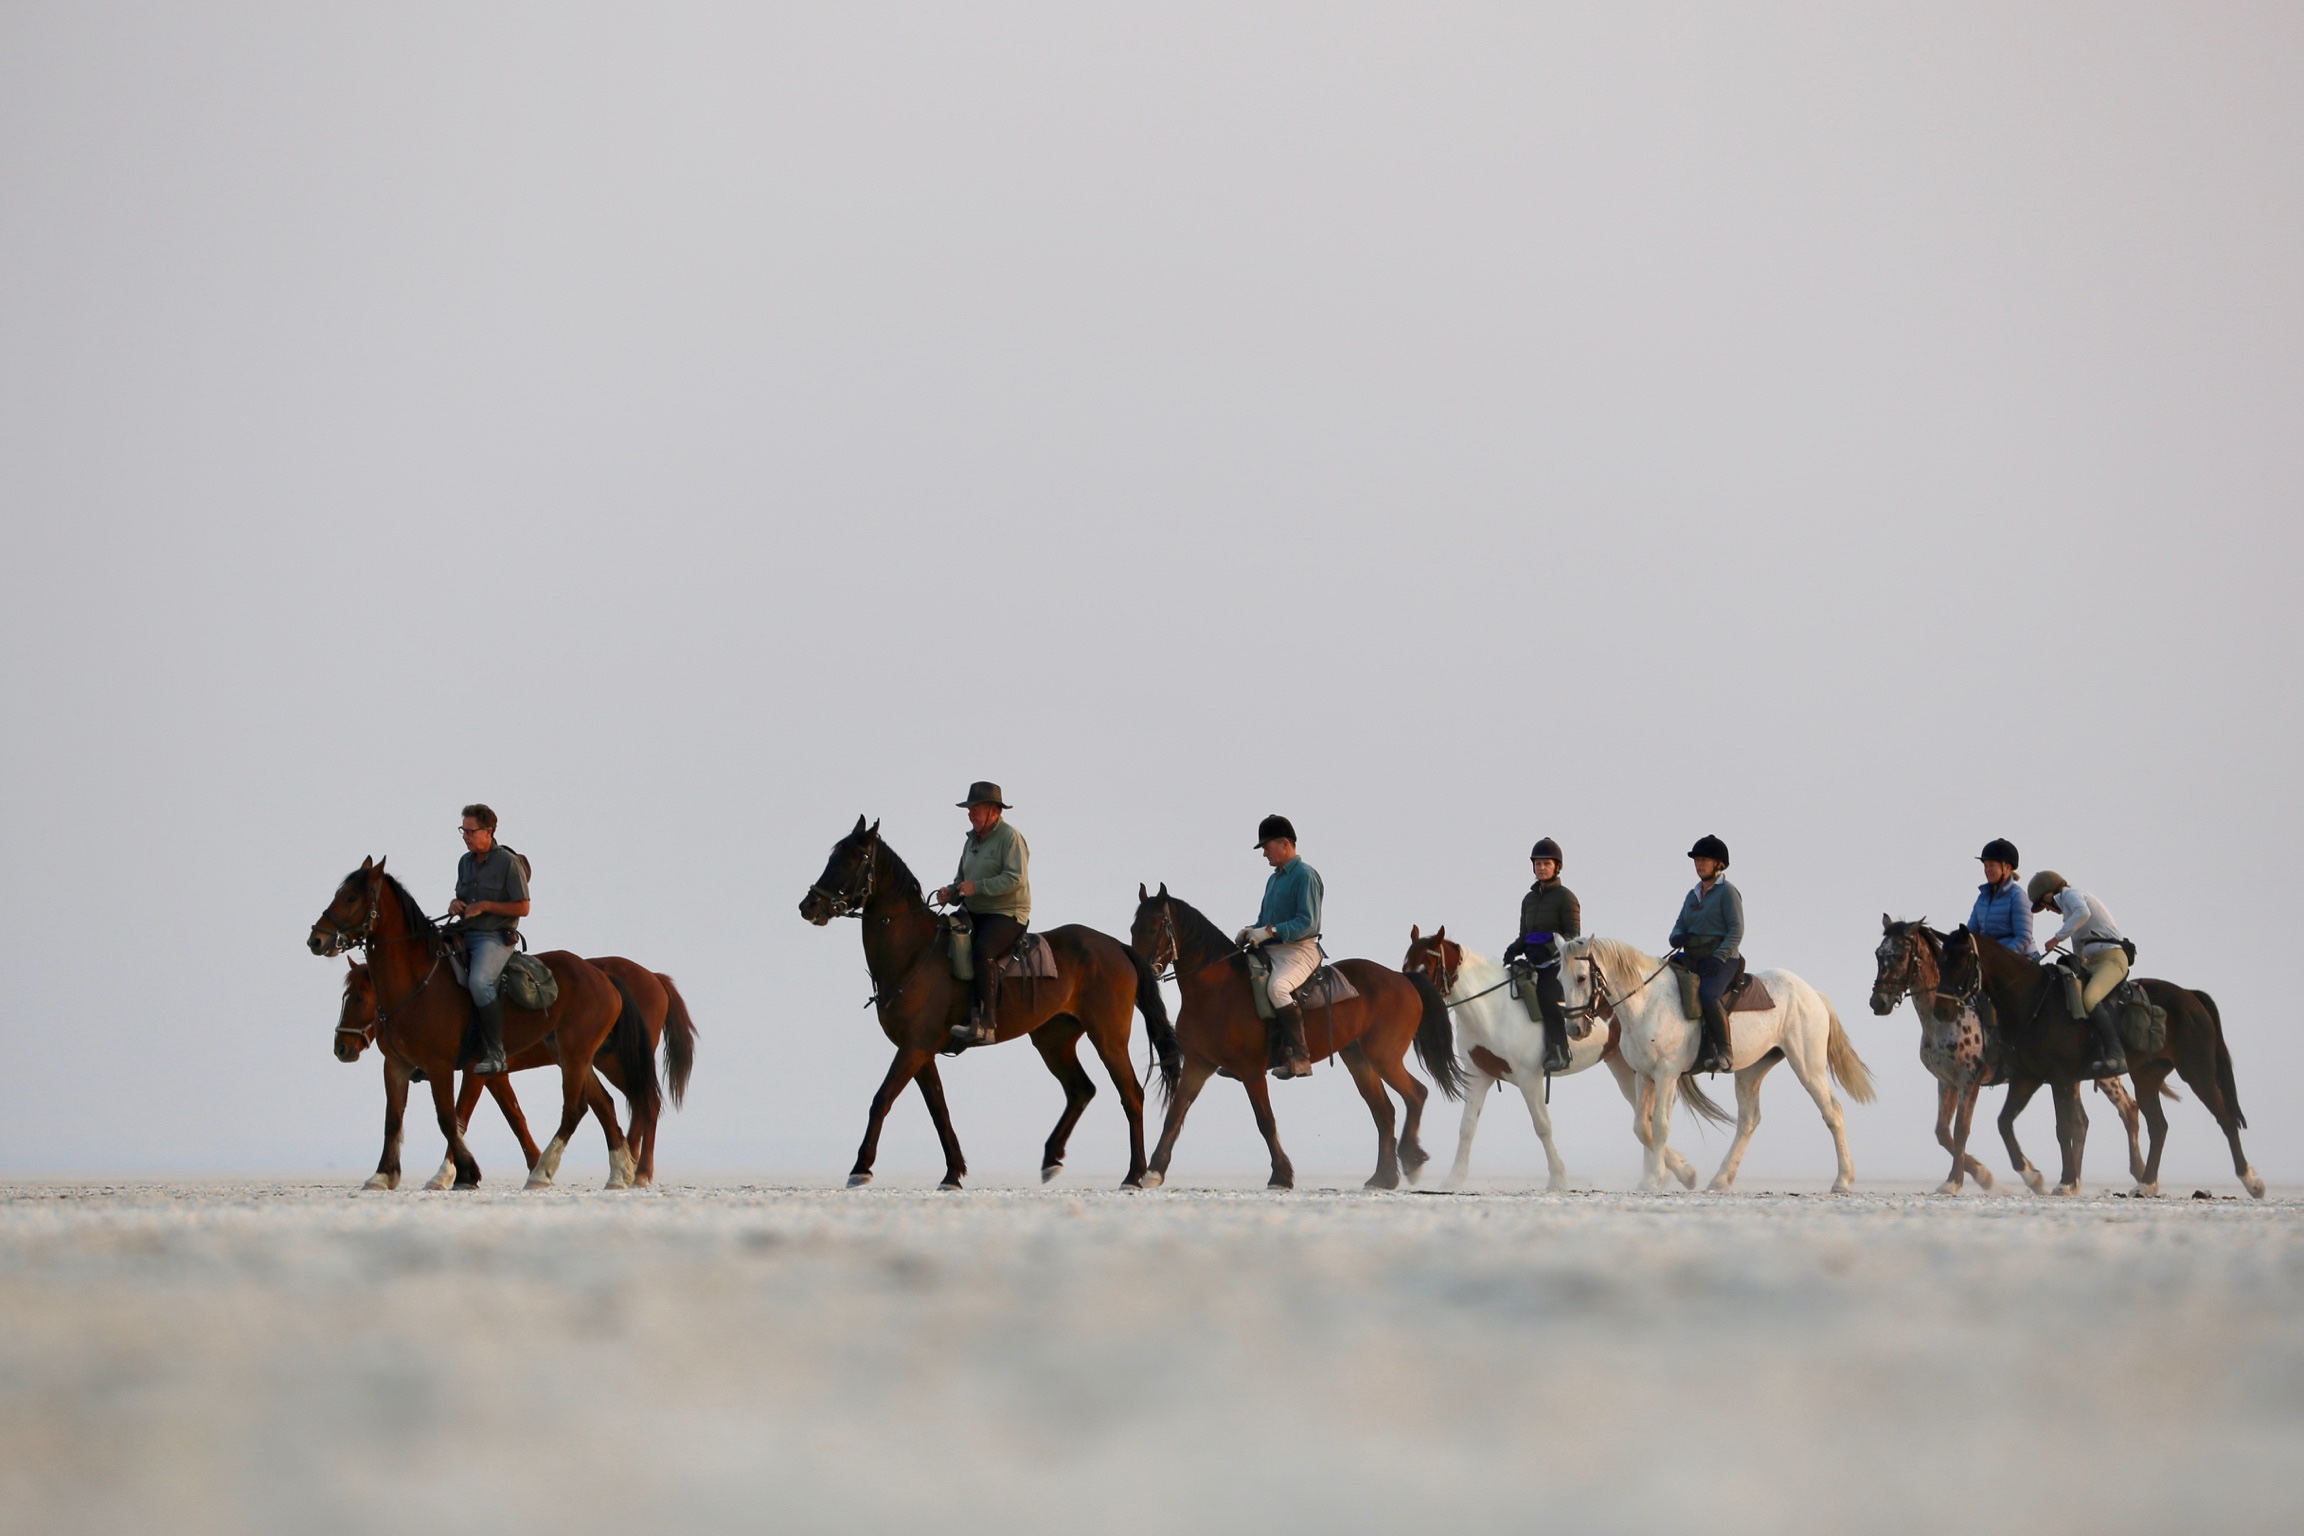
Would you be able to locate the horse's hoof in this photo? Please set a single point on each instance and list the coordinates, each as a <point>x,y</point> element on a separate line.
<point>1553,1186</point>
<point>465,1184</point>
<point>1378,1181</point>
<point>445,1177</point>
<point>1717,1187</point>
<point>2145,1191</point>
<point>2253,1182</point>
<point>1280,1183</point>
<point>2034,1182</point>
<point>535,1181</point>
<point>859,1180</point>
<point>1843,1187</point>
<point>1050,1172</point>
<point>2068,1189</point>
<point>1983,1177</point>
<point>382,1181</point>
<point>1686,1176</point>
<point>951,1181</point>
<point>1153,1179</point>
<point>549,1163</point>
<point>1948,1187</point>
<point>620,1169</point>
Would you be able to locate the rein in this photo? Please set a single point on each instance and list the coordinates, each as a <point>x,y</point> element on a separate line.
<point>1603,1006</point>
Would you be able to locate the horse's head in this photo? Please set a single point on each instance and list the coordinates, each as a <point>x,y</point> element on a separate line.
<point>350,916</point>
<point>356,1019</point>
<point>1152,932</point>
<point>1901,963</point>
<point>1579,982</point>
<point>1961,970</point>
<point>1435,955</point>
<point>846,883</point>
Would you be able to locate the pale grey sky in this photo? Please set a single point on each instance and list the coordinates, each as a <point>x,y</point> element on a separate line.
<point>1859,432</point>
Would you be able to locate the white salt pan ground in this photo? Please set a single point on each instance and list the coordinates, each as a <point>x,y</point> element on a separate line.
<point>299,1358</point>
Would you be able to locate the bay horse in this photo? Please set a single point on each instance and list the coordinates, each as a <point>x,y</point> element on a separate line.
<point>1614,979</point>
<point>1097,987</point>
<point>662,1012</point>
<point>2046,1045</point>
<point>1220,1030</point>
<point>1958,1048</point>
<point>422,1027</point>
<point>1495,1035</point>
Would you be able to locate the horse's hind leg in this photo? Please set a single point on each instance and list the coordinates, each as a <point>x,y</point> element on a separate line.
<point>2020,1091</point>
<point>1810,1066</point>
<point>1371,1086</point>
<point>1112,1049</point>
<point>2071,1134</point>
<point>1260,1100</point>
<point>1412,1093</point>
<point>940,1114</point>
<point>499,1085</point>
<point>1540,1116</point>
<point>1658,1094</point>
<point>467,1167</point>
<point>622,1165</point>
<point>1747,1121</point>
<point>2125,1108</point>
<point>387,1174</point>
<point>1058,1042</point>
<point>1189,1082</point>
<point>1947,1100</point>
<point>2198,1049</point>
<point>2147,1102</point>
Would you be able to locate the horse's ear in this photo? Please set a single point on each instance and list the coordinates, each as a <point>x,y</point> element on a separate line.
<point>1442,933</point>
<point>1142,895</point>
<point>875,825</point>
<point>380,864</point>
<point>1415,934</point>
<point>1163,890</point>
<point>351,963</point>
<point>367,863</point>
<point>1886,922</point>
<point>852,831</point>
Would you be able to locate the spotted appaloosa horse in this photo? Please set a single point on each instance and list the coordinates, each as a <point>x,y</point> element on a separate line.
<point>1498,1043</point>
<point>662,1010</point>
<point>1954,1047</point>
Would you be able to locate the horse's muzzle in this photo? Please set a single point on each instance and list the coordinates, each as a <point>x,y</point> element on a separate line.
<point>816,907</point>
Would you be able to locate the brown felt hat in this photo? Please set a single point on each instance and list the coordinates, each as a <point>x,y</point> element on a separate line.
<point>984,792</point>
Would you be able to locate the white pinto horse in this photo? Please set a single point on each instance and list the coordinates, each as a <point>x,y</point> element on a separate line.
<point>1496,1042</point>
<point>1659,1042</point>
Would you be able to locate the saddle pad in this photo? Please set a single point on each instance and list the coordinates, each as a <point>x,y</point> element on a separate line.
<point>1032,956</point>
<point>1325,988</point>
<point>1750,996</point>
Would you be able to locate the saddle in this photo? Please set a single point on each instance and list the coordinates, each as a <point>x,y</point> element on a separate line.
<point>1033,958</point>
<point>1324,988</point>
<point>2143,1023</point>
<point>1746,993</point>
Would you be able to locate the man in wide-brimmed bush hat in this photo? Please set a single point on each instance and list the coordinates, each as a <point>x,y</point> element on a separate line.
<point>994,883</point>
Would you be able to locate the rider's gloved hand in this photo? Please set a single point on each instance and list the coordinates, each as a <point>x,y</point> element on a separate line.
<point>1250,936</point>
<point>1515,950</point>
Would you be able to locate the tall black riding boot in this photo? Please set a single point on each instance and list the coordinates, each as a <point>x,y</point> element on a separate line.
<point>491,1057</point>
<point>1295,1061</point>
<point>1712,1054</point>
<point>1556,1057</point>
<point>2107,1056</point>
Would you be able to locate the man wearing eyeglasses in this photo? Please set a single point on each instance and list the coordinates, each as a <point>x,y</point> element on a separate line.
<point>491,898</point>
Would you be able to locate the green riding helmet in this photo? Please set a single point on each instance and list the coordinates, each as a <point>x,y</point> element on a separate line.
<point>2043,888</point>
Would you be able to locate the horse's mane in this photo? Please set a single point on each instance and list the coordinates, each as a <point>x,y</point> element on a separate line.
<point>907,883</point>
<point>1192,925</point>
<point>411,910</point>
<point>1623,966</point>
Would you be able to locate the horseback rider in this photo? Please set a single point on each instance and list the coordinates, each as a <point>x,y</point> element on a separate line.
<point>2102,954</point>
<point>994,884</point>
<point>1707,937</point>
<point>2002,910</point>
<point>1548,914</point>
<point>491,898</point>
<point>1288,928</point>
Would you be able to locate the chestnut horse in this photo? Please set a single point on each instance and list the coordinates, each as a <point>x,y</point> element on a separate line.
<point>423,1016</point>
<point>662,1012</point>
<point>1957,1047</point>
<point>1221,1031</point>
<point>1098,983</point>
<point>2046,1045</point>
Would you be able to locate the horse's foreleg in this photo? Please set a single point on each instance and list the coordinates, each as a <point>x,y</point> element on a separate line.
<point>1947,1100</point>
<point>1747,1121</point>
<point>1194,1077</point>
<point>909,1060</point>
<point>1540,1116</point>
<point>1636,1091</point>
<point>2071,1134</point>
<point>2020,1091</point>
<point>1371,1086</point>
<point>1260,1100</point>
<point>1660,1092</point>
<point>459,1156</point>
<point>1960,1129</point>
<point>940,1115</point>
<point>387,1175</point>
<point>1477,1086</point>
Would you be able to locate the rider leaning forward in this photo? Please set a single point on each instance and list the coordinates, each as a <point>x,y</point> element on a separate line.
<point>994,884</point>
<point>1708,935</point>
<point>491,898</point>
<point>1288,926</point>
<point>1548,914</point>
<point>2102,952</point>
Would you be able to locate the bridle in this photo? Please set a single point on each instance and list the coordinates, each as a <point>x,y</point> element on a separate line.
<point>1435,965</point>
<point>850,903</point>
<point>1167,948</point>
<point>364,938</point>
<point>1602,1006</point>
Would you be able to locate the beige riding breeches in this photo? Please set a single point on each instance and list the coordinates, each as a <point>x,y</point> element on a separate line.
<point>1292,965</point>
<point>2106,968</point>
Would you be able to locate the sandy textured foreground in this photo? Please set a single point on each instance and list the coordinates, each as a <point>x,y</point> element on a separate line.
<point>296,1358</point>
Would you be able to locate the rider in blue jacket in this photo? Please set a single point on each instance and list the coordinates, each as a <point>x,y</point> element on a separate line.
<point>1708,935</point>
<point>2002,911</point>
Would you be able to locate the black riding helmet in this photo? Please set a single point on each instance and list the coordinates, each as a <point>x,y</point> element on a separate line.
<point>1710,847</point>
<point>1274,826</point>
<point>1547,849</point>
<point>2001,851</point>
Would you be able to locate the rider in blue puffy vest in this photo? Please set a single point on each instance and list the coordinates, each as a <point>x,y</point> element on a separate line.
<point>1707,936</point>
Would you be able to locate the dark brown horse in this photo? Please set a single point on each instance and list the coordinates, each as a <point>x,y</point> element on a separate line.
<point>423,1019</point>
<point>2045,1044</point>
<point>1959,1047</point>
<point>1221,1031</point>
<point>1098,983</point>
<point>661,1010</point>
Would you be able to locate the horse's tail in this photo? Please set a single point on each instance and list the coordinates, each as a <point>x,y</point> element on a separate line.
<point>1848,1068</point>
<point>1436,1038</point>
<point>2225,1083</point>
<point>1702,1104</point>
<point>679,1042</point>
<point>629,1040</point>
<point>1154,1007</point>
